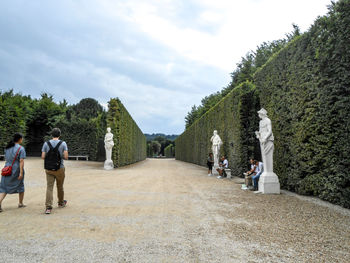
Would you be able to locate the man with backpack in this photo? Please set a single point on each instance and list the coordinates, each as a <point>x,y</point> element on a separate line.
<point>53,153</point>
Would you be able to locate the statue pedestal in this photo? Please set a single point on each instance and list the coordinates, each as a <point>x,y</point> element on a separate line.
<point>108,165</point>
<point>215,172</point>
<point>268,183</point>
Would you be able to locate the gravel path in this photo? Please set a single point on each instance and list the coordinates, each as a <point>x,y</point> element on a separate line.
<point>167,211</point>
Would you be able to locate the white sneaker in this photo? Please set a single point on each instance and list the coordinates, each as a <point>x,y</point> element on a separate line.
<point>209,174</point>
<point>219,177</point>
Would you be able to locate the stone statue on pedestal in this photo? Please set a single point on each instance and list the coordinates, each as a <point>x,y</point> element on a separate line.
<point>268,182</point>
<point>216,145</point>
<point>109,143</point>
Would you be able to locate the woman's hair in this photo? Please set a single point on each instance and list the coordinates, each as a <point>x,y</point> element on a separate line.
<point>15,139</point>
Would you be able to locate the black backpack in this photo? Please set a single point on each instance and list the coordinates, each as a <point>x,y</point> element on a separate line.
<point>53,158</point>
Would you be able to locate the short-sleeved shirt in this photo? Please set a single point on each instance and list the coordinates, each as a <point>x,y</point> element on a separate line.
<point>225,164</point>
<point>63,147</point>
<point>259,168</point>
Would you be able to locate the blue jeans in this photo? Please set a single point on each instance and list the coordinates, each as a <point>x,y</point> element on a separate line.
<point>256,179</point>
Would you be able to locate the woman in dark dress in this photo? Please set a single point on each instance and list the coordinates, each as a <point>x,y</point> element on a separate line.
<point>13,184</point>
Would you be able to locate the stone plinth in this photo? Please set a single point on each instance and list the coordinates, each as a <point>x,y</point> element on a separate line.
<point>269,183</point>
<point>108,165</point>
<point>215,172</point>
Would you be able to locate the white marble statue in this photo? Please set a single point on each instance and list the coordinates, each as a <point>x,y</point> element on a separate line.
<point>268,182</point>
<point>216,145</point>
<point>109,143</point>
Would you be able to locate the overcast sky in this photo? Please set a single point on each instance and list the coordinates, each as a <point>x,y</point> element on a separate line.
<point>159,57</point>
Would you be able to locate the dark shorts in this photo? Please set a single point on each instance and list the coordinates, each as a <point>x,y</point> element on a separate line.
<point>210,165</point>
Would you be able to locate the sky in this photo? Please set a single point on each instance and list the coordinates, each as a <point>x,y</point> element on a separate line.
<point>159,57</point>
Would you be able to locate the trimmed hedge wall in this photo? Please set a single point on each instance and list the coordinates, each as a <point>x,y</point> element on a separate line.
<point>306,90</point>
<point>130,142</point>
<point>82,137</point>
<point>169,151</point>
<point>235,119</point>
<point>13,108</point>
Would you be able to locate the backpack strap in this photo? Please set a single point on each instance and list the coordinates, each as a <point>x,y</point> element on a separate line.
<point>50,145</point>
<point>58,145</point>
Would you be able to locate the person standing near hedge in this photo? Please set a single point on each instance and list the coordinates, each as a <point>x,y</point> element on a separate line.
<point>210,163</point>
<point>14,183</point>
<point>53,152</point>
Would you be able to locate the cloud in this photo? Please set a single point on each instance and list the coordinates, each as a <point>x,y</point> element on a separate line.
<point>158,57</point>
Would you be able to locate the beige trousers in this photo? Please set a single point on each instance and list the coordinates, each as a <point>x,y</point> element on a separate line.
<point>248,180</point>
<point>51,176</point>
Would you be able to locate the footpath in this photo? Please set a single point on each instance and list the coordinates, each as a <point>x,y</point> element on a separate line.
<point>166,211</point>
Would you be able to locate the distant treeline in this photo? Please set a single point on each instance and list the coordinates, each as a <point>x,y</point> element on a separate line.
<point>304,83</point>
<point>151,137</point>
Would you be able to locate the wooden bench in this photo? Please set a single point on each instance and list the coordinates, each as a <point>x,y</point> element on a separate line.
<point>76,157</point>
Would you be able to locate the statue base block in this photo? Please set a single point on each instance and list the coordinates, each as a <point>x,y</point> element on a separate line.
<point>215,172</point>
<point>269,183</point>
<point>108,165</point>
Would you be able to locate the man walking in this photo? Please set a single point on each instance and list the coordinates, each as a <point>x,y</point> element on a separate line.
<point>53,152</point>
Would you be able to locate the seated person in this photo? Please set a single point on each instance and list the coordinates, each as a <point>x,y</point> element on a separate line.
<point>255,178</point>
<point>248,175</point>
<point>223,165</point>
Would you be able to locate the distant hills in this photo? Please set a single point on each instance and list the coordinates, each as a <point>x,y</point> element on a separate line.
<point>151,137</point>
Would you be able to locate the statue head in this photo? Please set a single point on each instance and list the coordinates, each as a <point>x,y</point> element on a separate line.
<point>108,129</point>
<point>215,132</point>
<point>262,113</point>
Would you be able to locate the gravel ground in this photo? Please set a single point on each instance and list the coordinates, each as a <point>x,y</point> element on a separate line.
<point>167,211</point>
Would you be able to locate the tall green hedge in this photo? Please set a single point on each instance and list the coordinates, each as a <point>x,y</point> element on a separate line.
<point>235,119</point>
<point>169,151</point>
<point>13,110</point>
<point>81,137</point>
<point>306,91</point>
<point>130,142</point>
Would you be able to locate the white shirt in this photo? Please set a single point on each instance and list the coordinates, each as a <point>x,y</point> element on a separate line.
<point>259,168</point>
<point>225,163</point>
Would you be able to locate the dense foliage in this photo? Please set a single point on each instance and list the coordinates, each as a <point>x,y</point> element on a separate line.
<point>169,151</point>
<point>305,87</point>
<point>14,112</point>
<point>157,145</point>
<point>306,90</point>
<point>151,137</point>
<point>245,70</point>
<point>235,119</point>
<point>82,129</point>
<point>130,142</point>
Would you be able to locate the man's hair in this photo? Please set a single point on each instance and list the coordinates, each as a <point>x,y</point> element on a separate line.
<point>56,132</point>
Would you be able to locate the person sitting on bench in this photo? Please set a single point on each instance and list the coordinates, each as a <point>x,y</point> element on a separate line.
<point>248,175</point>
<point>223,165</point>
<point>255,178</point>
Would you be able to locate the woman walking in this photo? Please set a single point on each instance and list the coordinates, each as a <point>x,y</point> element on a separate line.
<point>210,163</point>
<point>13,184</point>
